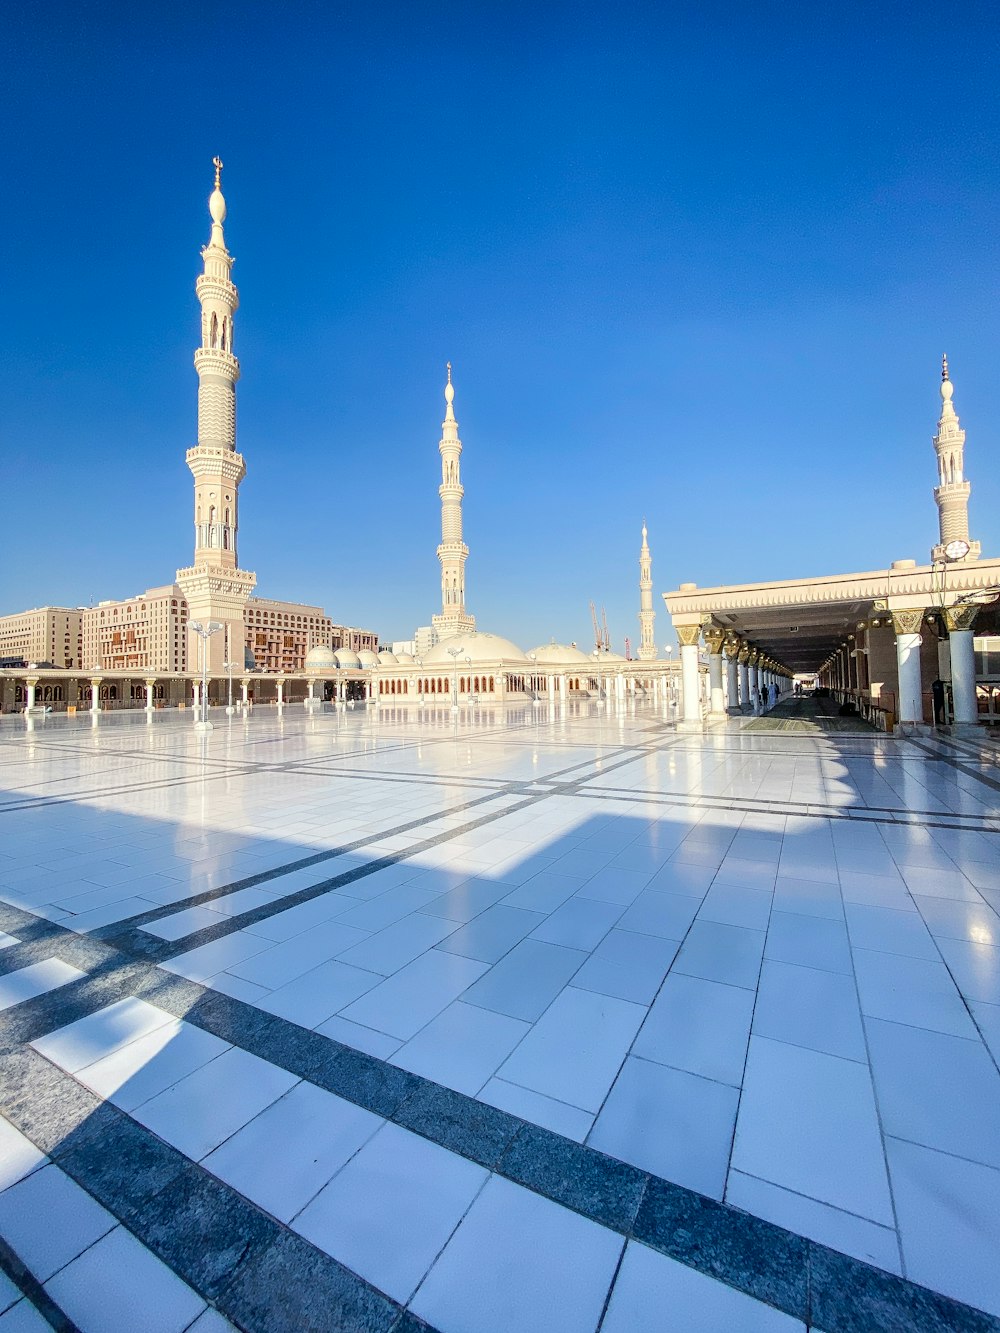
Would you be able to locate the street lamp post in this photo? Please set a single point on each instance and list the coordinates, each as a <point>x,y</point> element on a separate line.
<point>228,667</point>
<point>204,632</point>
<point>454,654</point>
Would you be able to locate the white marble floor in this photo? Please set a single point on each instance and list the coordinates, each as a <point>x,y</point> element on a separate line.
<point>763,966</point>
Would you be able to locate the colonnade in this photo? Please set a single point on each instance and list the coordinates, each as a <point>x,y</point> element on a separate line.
<point>740,674</point>
<point>890,655</point>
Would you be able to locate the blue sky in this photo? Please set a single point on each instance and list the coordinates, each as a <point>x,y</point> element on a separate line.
<point>693,263</point>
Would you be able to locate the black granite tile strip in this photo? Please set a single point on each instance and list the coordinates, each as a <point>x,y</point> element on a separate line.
<point>223,768</point>
<point>803,810</point>
<point>765,1261</point>
<point>124,932</point>
<point>36,1295</point>
<point>965,769</point>
<point>250,1267</point>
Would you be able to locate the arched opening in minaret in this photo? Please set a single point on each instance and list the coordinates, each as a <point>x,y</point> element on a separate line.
<point>213,331</point>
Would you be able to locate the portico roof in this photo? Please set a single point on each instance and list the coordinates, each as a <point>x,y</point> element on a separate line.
<point>800,622</point>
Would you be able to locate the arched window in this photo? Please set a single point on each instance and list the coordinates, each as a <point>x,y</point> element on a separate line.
<point>491,685</point>
<point>213,331</point>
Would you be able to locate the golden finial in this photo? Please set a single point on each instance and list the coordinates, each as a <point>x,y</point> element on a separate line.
<point>944,366</point>
<point>449,372</point>
<point>218,171</point>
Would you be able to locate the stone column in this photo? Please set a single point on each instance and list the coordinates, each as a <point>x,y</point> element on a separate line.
<point>245,684</point>
<point>31,682</point>
<point>733,674</point>
<point>95,694</point>
<point>959,621</point>
<point>909,702</point>
<point>563,688</point>
<point>150,702</point>
<point>715,638</point>
<point>281,691</point>
<point>744,657</point>
<point>688,636</point>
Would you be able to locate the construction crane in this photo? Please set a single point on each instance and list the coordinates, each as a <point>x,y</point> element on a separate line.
<point>602,640</point>
<point>597,628</point>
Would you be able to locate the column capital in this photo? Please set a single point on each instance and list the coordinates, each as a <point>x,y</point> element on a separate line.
<point>31,680</point>
<point>743,656</point>
<point>714,637</point>
<point>960,617</point>
<point>909,620</point>
<point>150,681</point>
<point>688,635</point>
<point>753,656</point>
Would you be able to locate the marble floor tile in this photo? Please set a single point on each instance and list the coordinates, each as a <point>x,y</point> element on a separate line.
<point>518,1261</point>
<point>118,1286</point>
<point>575,1050</point>
<point>283,1157</point>
<point>672,1123</point>
<point>650,1284</point>
<point>463,1047</point>
<point>808,1123</point>
<point>810,1007</point>
<point>730,954</point>
<point>525,982</point>
<point>700,1026</point>
<point>937,1090</point>
<point>390,1211</point>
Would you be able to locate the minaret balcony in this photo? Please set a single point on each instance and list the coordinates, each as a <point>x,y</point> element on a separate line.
<point>209,288</point>
<point>214,361</point>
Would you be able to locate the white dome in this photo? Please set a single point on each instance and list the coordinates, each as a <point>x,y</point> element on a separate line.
<point>405,659</point>
<point>388,659</point>
<point>345,658</point>
<point>607,657</point>
<point>367,658</point>
<point>481,647</point>
<point>567,654</point>
<point>321,658</point>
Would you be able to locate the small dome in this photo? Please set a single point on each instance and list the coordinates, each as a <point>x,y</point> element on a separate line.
<point>479,646</point>
<point>563,654</point>
<point>406,659</point>
<point>321,658</point>
<point>345,658</point>
<point>367,658</point>
<point>603,656</point>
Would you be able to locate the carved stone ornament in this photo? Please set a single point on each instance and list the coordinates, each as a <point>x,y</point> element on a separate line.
<point>732,648</point>
<point>714,637</point>
<point>960,617</point>
<point>908,622</point>
<point>688,635</point>
<point>744,655</point>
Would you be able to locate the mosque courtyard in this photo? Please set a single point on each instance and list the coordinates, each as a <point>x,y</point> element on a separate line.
<point>513,1017</point>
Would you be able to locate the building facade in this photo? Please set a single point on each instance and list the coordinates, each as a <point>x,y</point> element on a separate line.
<point>44,634</point>
<point>148,632</point>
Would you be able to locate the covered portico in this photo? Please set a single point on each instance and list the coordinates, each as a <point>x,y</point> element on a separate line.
<point>879,639</point>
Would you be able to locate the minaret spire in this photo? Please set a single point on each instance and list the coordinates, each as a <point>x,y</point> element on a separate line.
<point>952,492</point>
<point>216,588</point>
<point>452,552</point>
<point>647,616</point>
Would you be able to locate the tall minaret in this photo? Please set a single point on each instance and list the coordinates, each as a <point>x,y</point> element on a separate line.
<point>453,552</point>
<point>952,495</point>
<point>647,642</point>
<point>215,587</point>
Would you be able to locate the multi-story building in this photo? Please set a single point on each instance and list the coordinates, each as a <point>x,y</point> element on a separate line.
<point>152,631</point>
<point>44,634</point>
<point>148,631</point>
